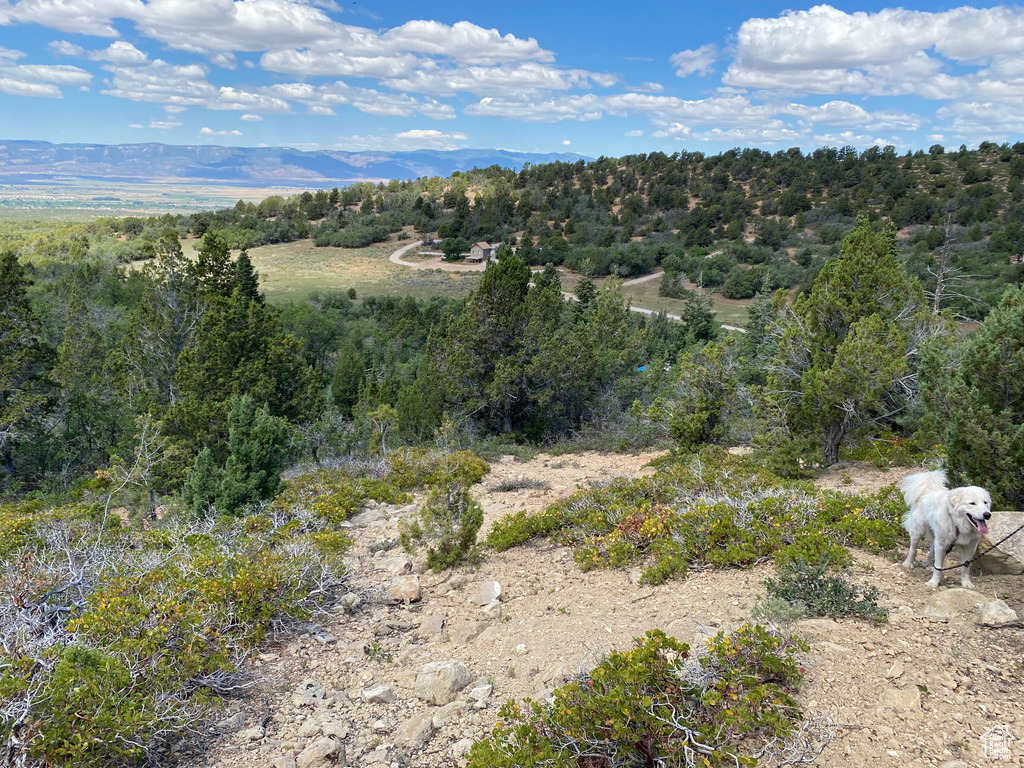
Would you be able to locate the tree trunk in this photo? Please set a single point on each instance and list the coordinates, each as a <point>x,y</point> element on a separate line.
<point>831,438</point>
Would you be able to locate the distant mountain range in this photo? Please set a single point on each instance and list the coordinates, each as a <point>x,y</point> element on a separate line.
<point>26,161</point>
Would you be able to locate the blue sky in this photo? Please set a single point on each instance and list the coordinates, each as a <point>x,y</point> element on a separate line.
<point>597,78</point>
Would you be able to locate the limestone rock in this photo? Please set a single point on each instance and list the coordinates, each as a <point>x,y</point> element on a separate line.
<point>467,633</point>
<point>405,589</point>
<point>252,734</point>
<point>397,565</point>
<point>308,694</point>
<point>950,603</point>
<point>231,724</point>
<point>382,694</point>
<point>431,625</point>
<point>320,753</point>
<point>488,592</point>
<point>1008,559</point>
<point>492,610</point>
<point>367,516</point>
<point>481,692</point>
<point>895,671</point>
<point>414,732</point>
<point>901,698</point>
<point>350,602</point>
<point>448,713</point>
<point>439,681</point>
<point>997,613</point>
<point>309,729</point>
<point>284,761</point>
<point>461,748</point>
<point>489,635</point>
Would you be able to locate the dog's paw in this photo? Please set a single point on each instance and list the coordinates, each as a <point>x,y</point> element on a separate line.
<point>933,584</point>
<point>908,565</point>
<point>967,584</point>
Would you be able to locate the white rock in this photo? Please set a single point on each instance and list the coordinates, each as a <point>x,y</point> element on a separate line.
<point>405,589</point>
<point>439,681</point>
<point>382,694</point>
<point>309,729</point>
<point>996,613</point>
<point>488,592</point>
<point>492,610</point>
<point>481,692</point>
<point>400,564</point>
<point>321,752</point>
<point>308,694</point>
<point>950,603</point>
<point>895,671</point>
<point>905,698</point>
<point>522,650</point>
<point>468,632</point>
<point>448,713</point>
<point>461,748</point>
<point>414,732</point>
<point>252,734</point>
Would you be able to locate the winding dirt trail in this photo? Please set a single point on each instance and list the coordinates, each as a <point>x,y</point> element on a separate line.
<point>438,262</point>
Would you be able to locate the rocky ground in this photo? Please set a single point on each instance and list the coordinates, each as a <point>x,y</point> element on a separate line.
<point>412,668</point>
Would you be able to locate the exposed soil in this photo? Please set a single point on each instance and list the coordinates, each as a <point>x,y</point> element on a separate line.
<point>913,692</point>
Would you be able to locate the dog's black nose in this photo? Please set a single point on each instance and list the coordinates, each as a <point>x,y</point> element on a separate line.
<point>988,515</point>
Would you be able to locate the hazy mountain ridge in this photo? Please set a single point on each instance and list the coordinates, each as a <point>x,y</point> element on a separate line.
<point>28,160</point>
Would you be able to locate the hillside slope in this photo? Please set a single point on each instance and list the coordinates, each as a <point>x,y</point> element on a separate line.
<point>913,692</point>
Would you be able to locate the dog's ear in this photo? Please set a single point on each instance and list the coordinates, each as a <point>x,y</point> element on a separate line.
<point>954,498</point>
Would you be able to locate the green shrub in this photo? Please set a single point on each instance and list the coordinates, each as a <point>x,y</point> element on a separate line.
<point>117,640</point>
<point>447,525</point>
<point>708,510</point>
<point>657,705</point>
<point>822,593</point>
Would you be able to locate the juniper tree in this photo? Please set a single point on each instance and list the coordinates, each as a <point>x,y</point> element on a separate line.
<point>24,362</point>
<point>975,401</point>
<point>847,352</point>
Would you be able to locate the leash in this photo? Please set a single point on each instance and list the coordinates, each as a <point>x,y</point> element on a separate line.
<point>977,556</point>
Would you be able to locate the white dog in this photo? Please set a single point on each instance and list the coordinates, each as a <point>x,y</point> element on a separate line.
<point>949,518</point>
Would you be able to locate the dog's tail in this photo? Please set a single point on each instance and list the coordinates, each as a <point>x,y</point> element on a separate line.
<point>921,484</point>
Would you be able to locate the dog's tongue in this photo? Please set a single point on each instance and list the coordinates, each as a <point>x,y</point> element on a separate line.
<point>982,528</point>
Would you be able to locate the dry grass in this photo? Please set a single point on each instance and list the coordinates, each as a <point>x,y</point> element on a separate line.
<point>292,271</point>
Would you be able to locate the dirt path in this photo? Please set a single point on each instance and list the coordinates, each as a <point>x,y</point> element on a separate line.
<point>438,262</point>
<point>435,262</point>
<point>913,692</point>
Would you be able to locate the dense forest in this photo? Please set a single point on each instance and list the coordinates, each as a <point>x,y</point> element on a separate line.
<point>174,389</point>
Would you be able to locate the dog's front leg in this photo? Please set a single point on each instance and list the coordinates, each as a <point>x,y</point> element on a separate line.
<point>939,552</point>
<point>912,555</point>
<point>966,553</point>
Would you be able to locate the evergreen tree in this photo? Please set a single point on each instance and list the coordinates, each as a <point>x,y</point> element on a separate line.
<point>252,471</point>
<point>483,366</point>
<point>349,372</point>
<point>163,326</point>
<point>246,281</point>
<point>24,360</point>
<point>239,349</point>
<point>848,351</point>
<point>90,418</point>
<point>976,402</point>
